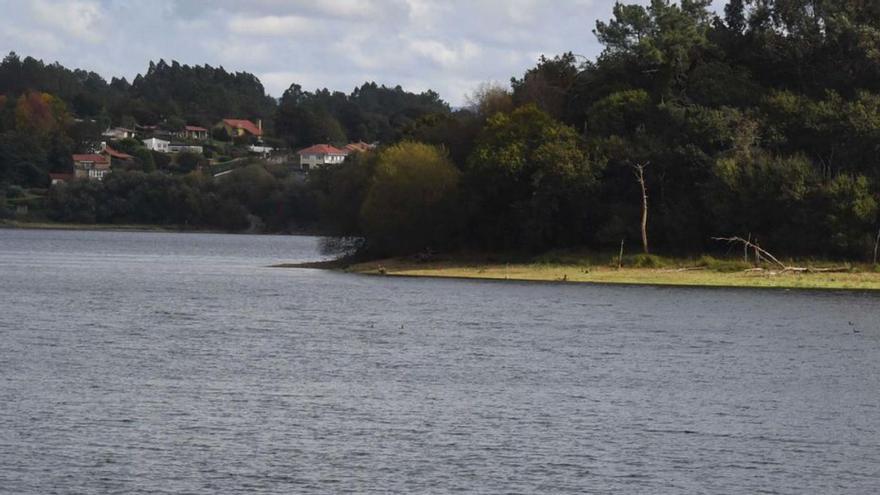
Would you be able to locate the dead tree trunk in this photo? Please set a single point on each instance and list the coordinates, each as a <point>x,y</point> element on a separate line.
<point>876,247</point>
<point>640,177</point>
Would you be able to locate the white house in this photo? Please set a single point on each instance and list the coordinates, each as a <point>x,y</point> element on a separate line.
<point>156,144</point>
<point>320,155</point>
<point>261,150</point>
<point>179,147</point>
<point>118,133</point>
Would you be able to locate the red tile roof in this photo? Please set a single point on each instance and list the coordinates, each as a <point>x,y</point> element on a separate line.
<point>91,157</point>
<point>100,161</point>
<point>195,128</point>
<point>353,147</point>
<point>247,125</point>
<point>117,154</point>
<point>321,149</point>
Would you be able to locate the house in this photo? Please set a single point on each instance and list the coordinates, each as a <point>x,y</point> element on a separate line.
<point>118,133</point>
<point>60,178</point>
<point>358,147</point>
<point>240,127</point>
<point>90,166</point>
<point>195,133</point>
<point>320,155</point>
<point>156,144</point>
<point>261,150</point>
<point>112,153</point>
<point>180,147</point>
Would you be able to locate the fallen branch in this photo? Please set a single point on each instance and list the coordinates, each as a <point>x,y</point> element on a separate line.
<point>763,253</point>
<point>758,249</point>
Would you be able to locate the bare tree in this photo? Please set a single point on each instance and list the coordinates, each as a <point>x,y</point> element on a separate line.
<point>876,247</point>
<point>639,170</point>
<point>490,98</point>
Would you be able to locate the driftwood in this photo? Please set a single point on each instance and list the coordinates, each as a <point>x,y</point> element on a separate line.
<point>763,253</point>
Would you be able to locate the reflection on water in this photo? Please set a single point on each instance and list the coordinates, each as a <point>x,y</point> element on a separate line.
<point>180,363</point>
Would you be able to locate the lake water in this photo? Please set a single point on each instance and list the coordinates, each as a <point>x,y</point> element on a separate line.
<point>181,363</point>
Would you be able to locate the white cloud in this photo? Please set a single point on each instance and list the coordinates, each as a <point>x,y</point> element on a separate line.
<point>31,39</point>
<point>444,55</point>
<point>272,25</point>
<point>81,19</point>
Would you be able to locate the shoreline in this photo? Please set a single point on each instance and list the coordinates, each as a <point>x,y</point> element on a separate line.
<point>603,275</point>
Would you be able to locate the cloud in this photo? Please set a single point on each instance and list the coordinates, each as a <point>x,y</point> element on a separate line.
<point>32,39</point>
<point>449,46</point>
<point>272,25</point>
<point>443,55</point>
<point>80,19</point>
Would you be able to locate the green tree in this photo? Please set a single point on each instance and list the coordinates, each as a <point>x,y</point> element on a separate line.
<point>411,202</point>
<point>529,182</point>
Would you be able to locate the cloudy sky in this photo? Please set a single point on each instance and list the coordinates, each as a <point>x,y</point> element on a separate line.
<point>446,45</point>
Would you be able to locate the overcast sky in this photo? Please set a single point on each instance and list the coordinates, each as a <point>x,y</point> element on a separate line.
<point>446,45</point>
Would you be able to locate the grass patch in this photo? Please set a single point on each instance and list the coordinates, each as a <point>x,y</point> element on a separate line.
<point>723,266</point>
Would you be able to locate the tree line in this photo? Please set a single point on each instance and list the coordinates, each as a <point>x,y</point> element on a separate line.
<point>760,121</point>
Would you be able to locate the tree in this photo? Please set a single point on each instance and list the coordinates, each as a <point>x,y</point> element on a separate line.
<point>410,204</point>
<point>529,182</point>
<point>188,161</point>
<point>490,98</point>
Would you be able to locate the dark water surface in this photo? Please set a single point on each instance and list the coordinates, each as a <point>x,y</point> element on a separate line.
<point>180,363</point>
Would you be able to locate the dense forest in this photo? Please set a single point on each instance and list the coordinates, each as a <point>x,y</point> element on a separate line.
<point>761,120</point>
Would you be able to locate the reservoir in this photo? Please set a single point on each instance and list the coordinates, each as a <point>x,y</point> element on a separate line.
<point>135,362</point>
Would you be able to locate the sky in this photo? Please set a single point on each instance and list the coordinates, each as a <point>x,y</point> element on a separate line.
<point>450,46</point>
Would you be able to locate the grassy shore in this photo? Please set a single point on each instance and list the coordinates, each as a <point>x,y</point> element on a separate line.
<point>705,272</point>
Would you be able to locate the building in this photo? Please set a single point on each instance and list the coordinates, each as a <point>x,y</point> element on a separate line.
<point>114,154</point>
<point>90,166</point>
<point>358,147</point>
<point>195,133</point>
<point>320,155</point>
<point>118,133</point>
<point>60,178</point>
<point>241,127</point>
<point>156,144</point>
<point>180,147</point>
<point>261,150</point>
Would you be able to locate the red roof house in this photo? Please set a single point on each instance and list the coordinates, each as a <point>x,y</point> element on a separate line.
<point>320,155</point>
<point>116,154</point>
<point>90,166</point>
<point>240,127</point>
<point>195,132</point>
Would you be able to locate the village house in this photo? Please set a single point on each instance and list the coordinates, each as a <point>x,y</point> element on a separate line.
<point>114,154</point>
<point>118,133</point>
<point>181,147</point>
<point>195,133</point>
<point>358,147</point>
<point>241,127</point>
<point>91,166</point>
<point>320,155</point>
<point>261,150</point>
<point>156,144</point>
<point>60,178</point>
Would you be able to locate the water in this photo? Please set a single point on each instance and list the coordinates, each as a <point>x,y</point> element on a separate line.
<point>181,363</point>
